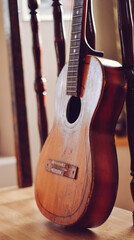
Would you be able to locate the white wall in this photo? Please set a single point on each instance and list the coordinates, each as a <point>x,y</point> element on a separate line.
<point>6,122</point>
<point>105,27</point>
<point>124,199</point>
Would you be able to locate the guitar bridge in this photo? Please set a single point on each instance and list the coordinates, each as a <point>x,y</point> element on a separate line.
<point>61,168</point>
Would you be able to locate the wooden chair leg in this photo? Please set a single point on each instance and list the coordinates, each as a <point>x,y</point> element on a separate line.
<point>90,27</point>
<point>18,93</point>
<point>126,30</point>
<point>59,40</point>
<point>90,31</point>
<point>39,84</point>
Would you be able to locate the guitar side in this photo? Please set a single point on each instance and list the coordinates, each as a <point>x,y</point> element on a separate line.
<point>103,150</point>
<point>86,146</point>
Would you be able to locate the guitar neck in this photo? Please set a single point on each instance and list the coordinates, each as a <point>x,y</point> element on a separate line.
<point>79,46</point>
<point>77,36</point>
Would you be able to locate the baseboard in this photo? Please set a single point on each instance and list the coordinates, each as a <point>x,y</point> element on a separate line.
<point>8,175</point>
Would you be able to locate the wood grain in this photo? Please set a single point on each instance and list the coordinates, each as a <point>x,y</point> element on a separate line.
<point>87,143</point>
<point>21,220</point>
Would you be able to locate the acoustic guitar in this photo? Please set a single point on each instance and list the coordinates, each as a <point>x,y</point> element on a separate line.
<point>77,172</point>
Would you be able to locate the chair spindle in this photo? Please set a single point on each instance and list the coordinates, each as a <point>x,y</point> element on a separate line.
<point>126,31</point>
<point>39,84</point>
<point>59,40</point>
<point>22,150</point>
<point>90,27</point>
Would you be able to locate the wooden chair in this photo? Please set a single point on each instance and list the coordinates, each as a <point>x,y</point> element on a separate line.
<point>18,95</point>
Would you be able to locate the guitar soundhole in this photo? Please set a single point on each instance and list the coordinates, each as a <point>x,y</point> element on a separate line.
<point>73,109</point>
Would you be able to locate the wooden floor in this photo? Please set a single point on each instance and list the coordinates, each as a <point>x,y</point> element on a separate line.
<point>20,219</point>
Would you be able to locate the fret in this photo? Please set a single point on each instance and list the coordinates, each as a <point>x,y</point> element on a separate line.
<point>72,80</point>
<point>72,71</point>
<point>74,50</point>
<point>78,3</point>
<point>71,61</point>
<point>72,74</point>
<point>76,36</point>
<point>75,40</point>
<point>76,60</point>
<point>77,24</point>
<point>72,65</point>
<point>78,10</point>
<point>71,92</point>
<point>76,27</point>
<point>74,54</point>
<point>78,31</point>
<point>73,85</point>
<point>75,43</point>
<point>75,47</point>
<point>75,16</point>
<point>77,20</point>
<point>72,77</point>
<point>72,68</point>
<point>73,57</point>
<point>78,7</point>
<point>72,89</point>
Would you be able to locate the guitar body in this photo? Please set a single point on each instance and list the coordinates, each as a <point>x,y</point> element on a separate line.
<point>77,173</point>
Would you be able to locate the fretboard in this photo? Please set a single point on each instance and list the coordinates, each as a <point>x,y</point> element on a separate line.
<point>74,57</point>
